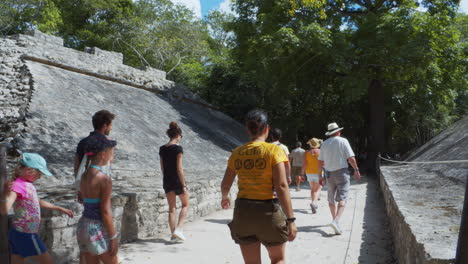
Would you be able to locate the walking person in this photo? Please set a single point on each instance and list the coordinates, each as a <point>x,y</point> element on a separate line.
<point>313,173</point>
<point>296,159</point>
<point>334,157</point>
<point>102,124</point>
<point>174,180</point>
<point>258,216</point>
<point>96,235</point>
<point>275,136</point>
<point>22,196</point>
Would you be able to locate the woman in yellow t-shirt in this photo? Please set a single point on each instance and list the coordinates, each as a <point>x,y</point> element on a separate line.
<point>310,166</point>
<point>258,218</point>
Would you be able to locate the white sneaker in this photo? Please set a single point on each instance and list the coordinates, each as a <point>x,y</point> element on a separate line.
<point>336,227</point>
<point>179,235</point>
<point>313,207</point>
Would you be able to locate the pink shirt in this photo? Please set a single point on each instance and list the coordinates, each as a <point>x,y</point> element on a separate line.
<point>27,216</point>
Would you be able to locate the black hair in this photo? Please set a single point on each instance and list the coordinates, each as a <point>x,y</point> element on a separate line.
<point>275,134</point>
<point>256,121</point>
<point>102,118</point>
<point>298,144</point>
<point>174,130</point>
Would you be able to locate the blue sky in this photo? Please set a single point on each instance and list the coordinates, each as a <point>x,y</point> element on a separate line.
<point>202,7</point>
<point>207,5</point>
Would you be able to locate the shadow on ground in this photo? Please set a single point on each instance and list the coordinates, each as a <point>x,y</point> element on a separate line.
<point>219,221</point>
<point>377,245</point>
<point>315,229</point>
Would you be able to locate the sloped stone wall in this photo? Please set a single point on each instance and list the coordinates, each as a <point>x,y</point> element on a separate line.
<point>15,89</point>
<point>424,202</point>
<point>48,109</point>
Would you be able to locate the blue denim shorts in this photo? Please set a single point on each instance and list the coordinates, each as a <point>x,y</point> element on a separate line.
<point>25,244</point>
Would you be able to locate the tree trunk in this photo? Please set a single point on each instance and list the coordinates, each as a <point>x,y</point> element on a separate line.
<point>376,124</point>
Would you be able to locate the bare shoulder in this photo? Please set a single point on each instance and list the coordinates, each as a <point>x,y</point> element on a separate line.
<point>103,178</point>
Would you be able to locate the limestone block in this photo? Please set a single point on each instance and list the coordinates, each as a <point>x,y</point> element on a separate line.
<point>154,72</point>
<point>107,56</point>
<point>45,37</point>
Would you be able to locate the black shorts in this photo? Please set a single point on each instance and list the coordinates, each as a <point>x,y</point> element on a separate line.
<point>177,190</point>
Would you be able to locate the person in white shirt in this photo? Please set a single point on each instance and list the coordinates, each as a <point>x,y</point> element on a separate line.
<point>295,159</point>
<point>334,157</point>
<point>275,136</point>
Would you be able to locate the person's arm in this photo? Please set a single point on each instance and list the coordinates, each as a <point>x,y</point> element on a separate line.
<point>288,172</point>
<point>180,170</point>
<point>47,205</point>
<point>320,168</point>
<point>352,161</point>
<point>106,194</point>
<point>282,190</point>
<point>162,165</point>
<point>229,176</point>
<point>7,199</point>
<point>304,164</point>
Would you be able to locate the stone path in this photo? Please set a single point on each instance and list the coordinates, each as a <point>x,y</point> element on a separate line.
<point>365,239</point>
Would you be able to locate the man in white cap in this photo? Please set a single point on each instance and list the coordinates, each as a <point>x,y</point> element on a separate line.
<point>334,157</point>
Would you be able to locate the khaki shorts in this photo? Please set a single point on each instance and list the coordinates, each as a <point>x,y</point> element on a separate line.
<point>296,171</point>
<point>255,220</point>
<point>338,185</point>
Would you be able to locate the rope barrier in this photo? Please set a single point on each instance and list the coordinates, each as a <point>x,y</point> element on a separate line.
<point>425,162</point>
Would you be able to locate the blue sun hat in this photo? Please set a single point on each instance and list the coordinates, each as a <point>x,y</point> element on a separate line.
<point>35,161</point>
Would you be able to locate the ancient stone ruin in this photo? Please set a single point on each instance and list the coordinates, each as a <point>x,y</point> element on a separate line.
<point>48,94</point>
<point>425,201</point>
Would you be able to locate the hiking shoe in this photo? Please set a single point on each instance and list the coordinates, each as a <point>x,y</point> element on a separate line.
<point>336,227</point>
<point>313,207</point>
<point>179,235</point>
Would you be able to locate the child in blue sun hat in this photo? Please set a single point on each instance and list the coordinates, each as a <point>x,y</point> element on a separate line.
<point>22,196</point>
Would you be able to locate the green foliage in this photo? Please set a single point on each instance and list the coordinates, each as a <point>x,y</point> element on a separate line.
<point>16,16</point>
<point>310,64</point>
<point>307,62</point>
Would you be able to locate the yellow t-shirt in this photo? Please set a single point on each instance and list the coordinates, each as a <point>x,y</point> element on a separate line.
<point>312,163</point>
<point>253,164</point>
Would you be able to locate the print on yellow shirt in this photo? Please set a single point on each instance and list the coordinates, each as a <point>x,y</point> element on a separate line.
<point>253,163</point>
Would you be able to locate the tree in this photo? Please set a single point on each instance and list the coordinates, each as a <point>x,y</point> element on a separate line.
<point>391,74</point>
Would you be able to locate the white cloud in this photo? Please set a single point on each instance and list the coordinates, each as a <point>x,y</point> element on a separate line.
<point>193,5</point>
<point>225,7</point>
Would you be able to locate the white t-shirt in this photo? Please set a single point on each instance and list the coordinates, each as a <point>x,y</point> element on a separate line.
<point>286,150</point>
<point>297,156</point>
<point>334,152</point>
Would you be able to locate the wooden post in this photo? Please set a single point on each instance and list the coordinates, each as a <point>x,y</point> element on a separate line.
<point>4,251</point>
<point>462,248</point>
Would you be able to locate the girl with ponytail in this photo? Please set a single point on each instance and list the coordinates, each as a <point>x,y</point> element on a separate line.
<point>174,180</point>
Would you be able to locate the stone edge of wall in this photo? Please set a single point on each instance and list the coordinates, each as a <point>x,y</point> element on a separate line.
<point>407,248</point>
<point>137,215</point>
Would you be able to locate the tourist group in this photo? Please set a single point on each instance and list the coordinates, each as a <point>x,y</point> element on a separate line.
<point>263,212</point>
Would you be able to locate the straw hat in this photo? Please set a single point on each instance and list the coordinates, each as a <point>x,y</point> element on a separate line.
<point>314,142</point>
<point>333,128</point>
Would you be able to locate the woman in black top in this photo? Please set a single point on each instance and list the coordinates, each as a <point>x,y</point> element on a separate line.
<point>174,180</point>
